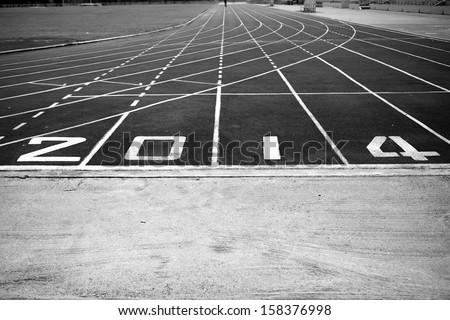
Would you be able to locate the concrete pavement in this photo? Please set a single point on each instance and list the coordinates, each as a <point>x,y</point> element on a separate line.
<point>225,238</point>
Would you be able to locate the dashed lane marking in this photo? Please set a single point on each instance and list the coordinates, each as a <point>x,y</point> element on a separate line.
<point>38,114</point>
<point>19,126</point>
<point>218,106</point>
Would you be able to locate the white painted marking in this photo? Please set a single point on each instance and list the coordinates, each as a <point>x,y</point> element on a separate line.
<point>53,105</point>
<point>66,97</point>
<point>2,137</point>
<point>38,114</point>
<point>153,82</point>
<point>157,77</point>
<point>78,89</point>
<point>374,148</point>
<point>97,78</point>
<point>147,88</point>
<point>134,104</point>
<point>271,148</point>
<point>175,151</point>
<point>410,151</point>
<point>34,156</point>
<point>215,146</point>
<point>103,140</point>
<point>142,94</point>
<point>19,126</point>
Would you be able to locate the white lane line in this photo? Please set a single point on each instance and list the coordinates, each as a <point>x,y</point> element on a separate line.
<point>103,140</point>
<point>142,94</point>
<point>134,104</point>
<point>78,89</point>
<point>198,82</point>
<point>2,137</point>
<point>215,147</point>
<point>124,83</point>
<point>38,114</point>
<point>19,126</point>
<point>387,102</point>
<point>53,105</point>
<point>397,69</point>
<point>46,84</point>
<point>218,106</point>
<point>95,79</point>
<point>67,97</point>
<point>403,52</point>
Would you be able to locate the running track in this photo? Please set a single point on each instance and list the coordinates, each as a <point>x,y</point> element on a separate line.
<point>240,86</point>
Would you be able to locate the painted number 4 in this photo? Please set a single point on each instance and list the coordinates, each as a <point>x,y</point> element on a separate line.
<point>408,150</point>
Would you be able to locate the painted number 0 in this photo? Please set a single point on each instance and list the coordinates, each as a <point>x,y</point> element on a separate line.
<point>175,151</point>
<point>36,156</point>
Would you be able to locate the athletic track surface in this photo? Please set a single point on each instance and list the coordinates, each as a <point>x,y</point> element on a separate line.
<point>240,86</point>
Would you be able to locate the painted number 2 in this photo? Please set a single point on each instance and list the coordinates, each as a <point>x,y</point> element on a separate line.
<point>37,156</point>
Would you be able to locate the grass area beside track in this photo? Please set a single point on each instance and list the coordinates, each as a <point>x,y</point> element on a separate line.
<point>43,26</point>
